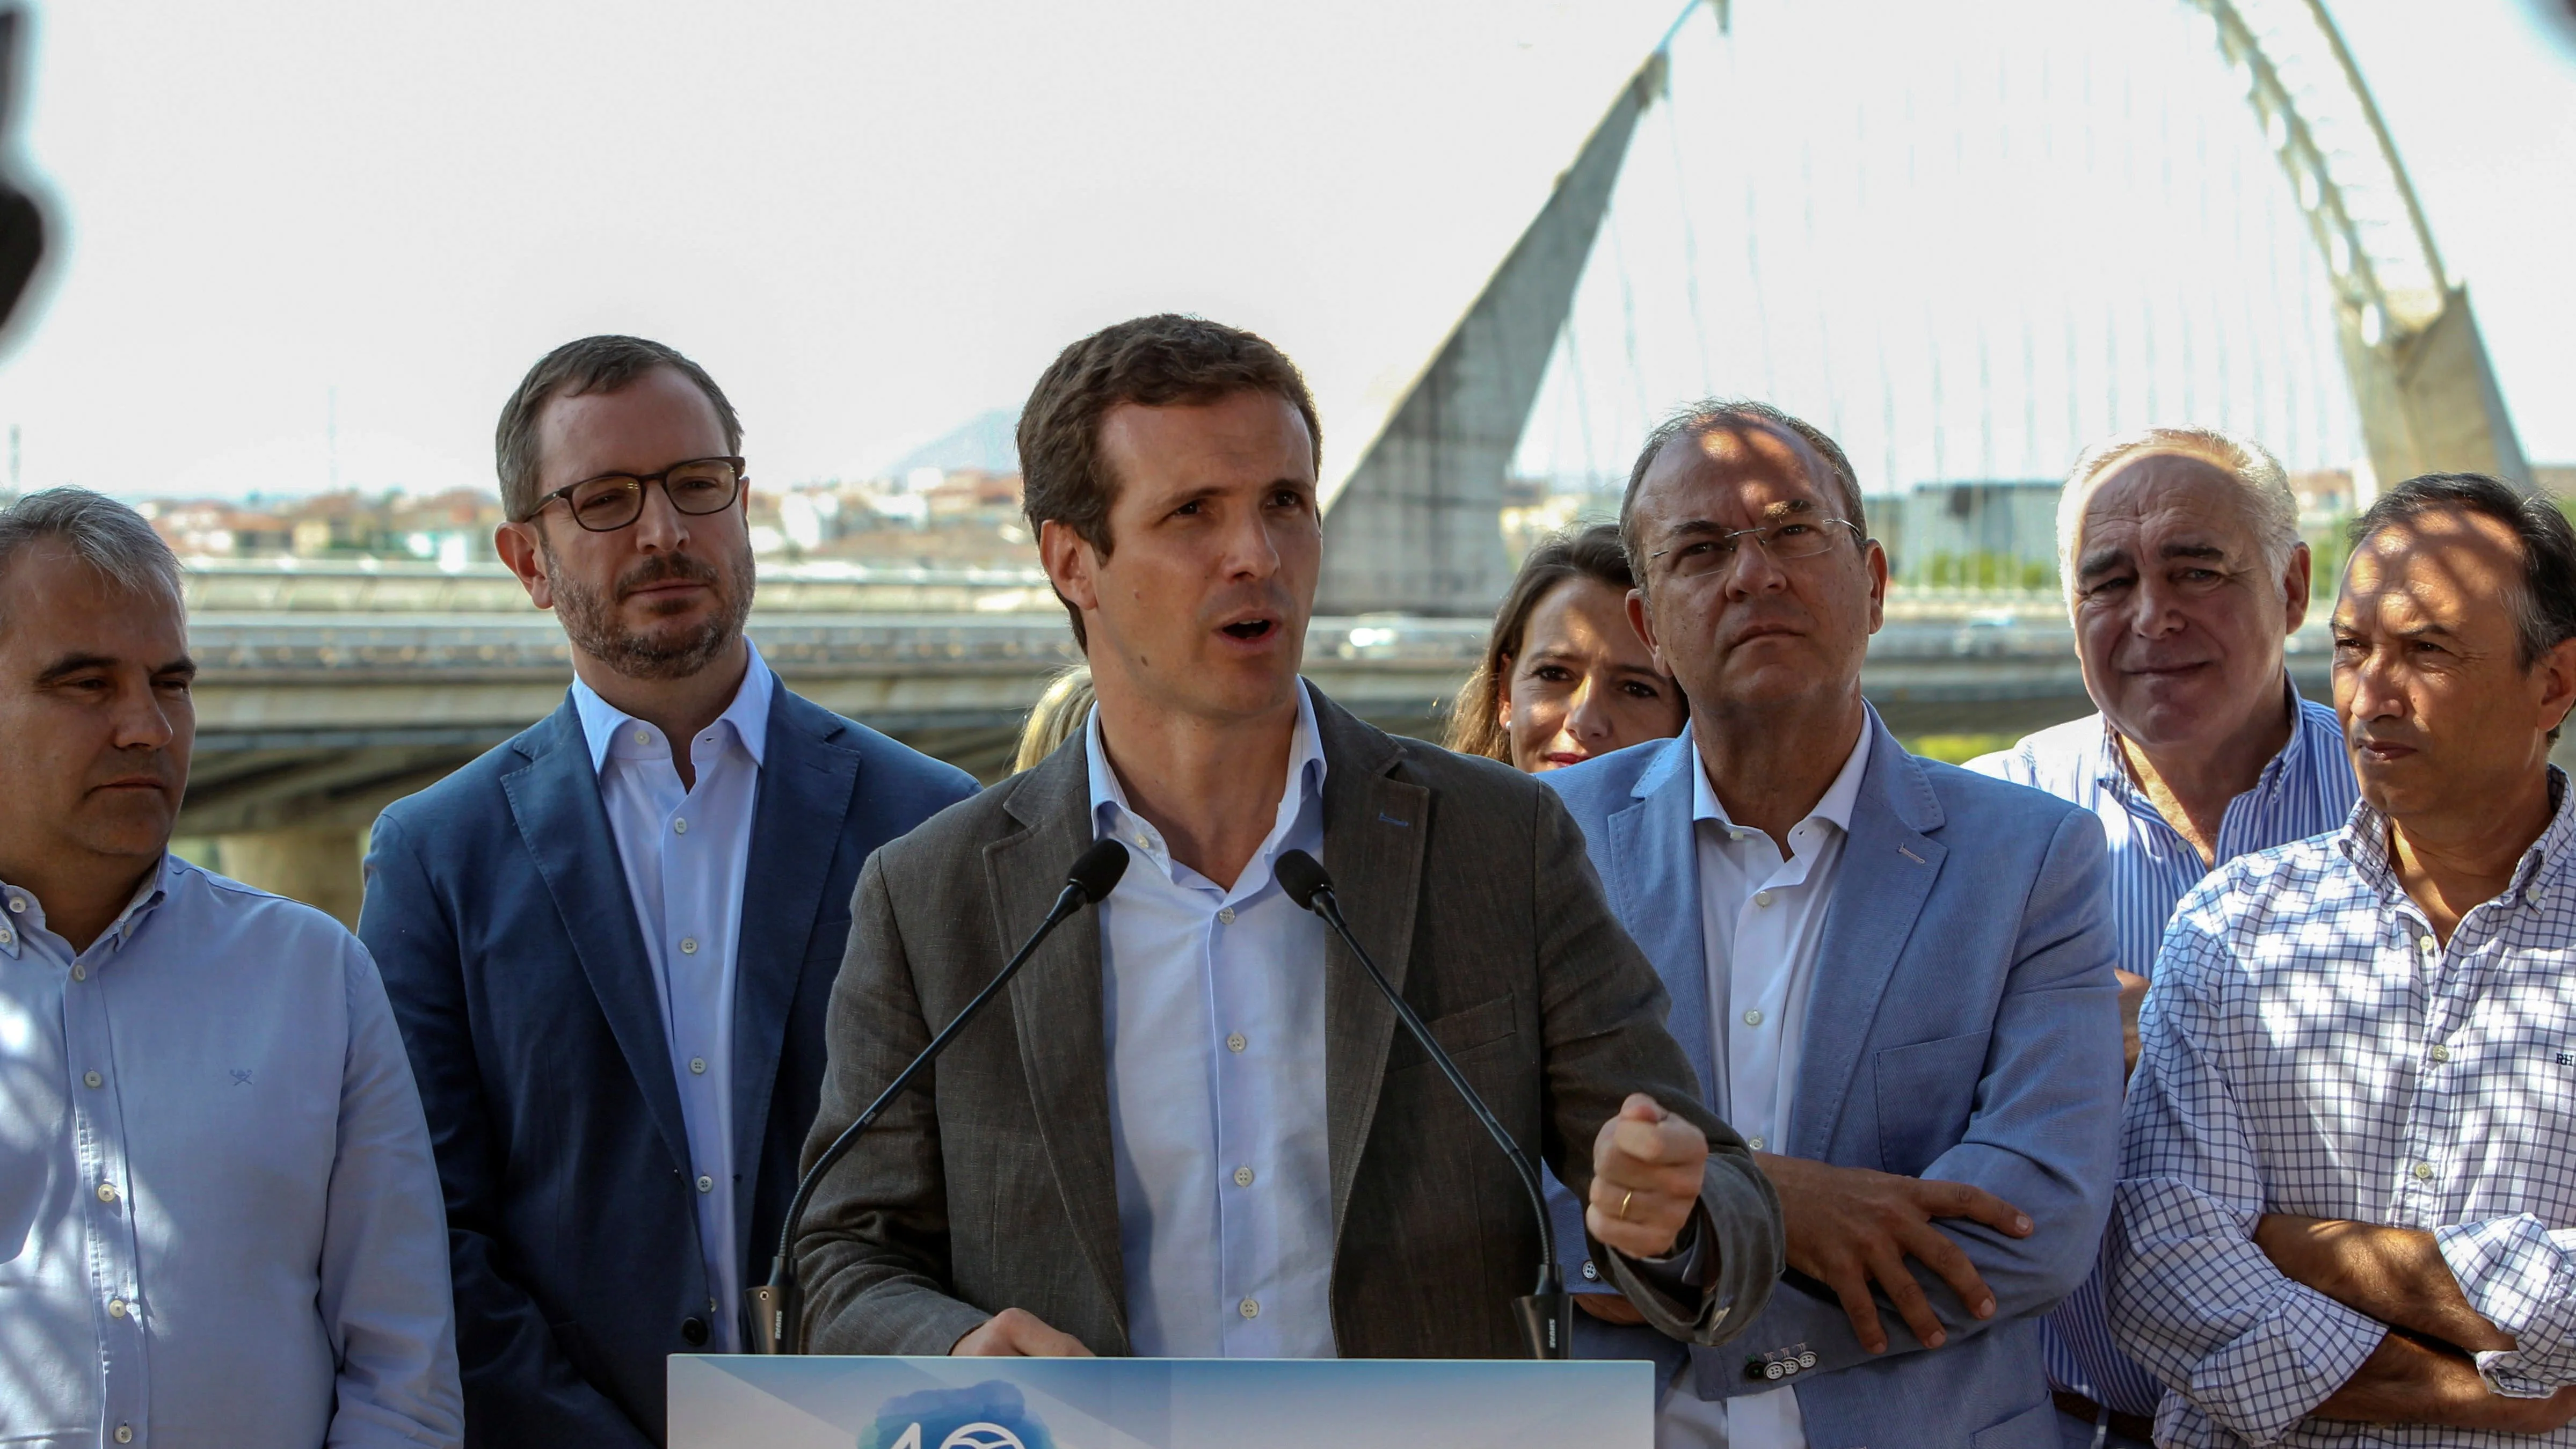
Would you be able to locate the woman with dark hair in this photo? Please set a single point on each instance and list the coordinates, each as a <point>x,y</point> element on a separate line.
<point>1565,676</point>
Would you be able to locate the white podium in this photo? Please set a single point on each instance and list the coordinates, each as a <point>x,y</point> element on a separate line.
<point>741,1401</point>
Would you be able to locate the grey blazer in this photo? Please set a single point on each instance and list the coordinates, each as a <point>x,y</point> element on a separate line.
<point>991,1187</point>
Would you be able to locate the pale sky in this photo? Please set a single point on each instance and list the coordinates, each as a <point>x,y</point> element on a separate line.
<point>873,221</point>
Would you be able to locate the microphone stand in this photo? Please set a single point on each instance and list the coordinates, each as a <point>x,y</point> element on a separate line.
<point>778,1306</point>
<point>1547,1313</point>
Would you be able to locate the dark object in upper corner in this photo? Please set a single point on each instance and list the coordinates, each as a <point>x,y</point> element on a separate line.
<point>22,223</point>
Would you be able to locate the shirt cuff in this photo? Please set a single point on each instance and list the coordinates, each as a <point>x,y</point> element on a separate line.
<point>2516,1274</point>
<point>2268,1379</point>
<point>1680,1273</point>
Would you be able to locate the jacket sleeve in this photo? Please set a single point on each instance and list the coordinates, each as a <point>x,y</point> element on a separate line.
<point>1603,1015</point>
<point>2042,1136</point>
<point>519,1388</point>
<point>873,1250</point>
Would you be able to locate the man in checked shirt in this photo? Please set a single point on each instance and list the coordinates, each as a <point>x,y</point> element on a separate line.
<point>2347,1212</point>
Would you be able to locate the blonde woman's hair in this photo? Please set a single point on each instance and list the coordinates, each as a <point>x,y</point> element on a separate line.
<point>1059,712</point>
<point>1475,717</point>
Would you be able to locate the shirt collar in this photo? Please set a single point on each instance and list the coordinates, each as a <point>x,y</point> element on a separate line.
<point>2112,763</point>
<point>748,715</point>
<point>1835,807</point>
<point>1305,780</point>
<point>2364,842</point>
<point>154,888</point>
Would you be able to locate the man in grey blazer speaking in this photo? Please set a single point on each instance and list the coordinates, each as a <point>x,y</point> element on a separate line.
<point>1192,1128</point>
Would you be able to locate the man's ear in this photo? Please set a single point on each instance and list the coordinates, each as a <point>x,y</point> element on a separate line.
<point>2555,671</point>
<point>524,553</point>
<point>1642,619</point>
<point>2296,580</point>
<point>1070,562</point>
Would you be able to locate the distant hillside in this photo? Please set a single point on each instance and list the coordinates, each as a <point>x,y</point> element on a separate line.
<point>983,443</point>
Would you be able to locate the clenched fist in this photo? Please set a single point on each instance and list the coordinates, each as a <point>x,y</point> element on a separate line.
<point>1647,1169</point>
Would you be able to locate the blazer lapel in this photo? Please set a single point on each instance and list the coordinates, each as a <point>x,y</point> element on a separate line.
<point>806,786</point>
<point>555,802</point>
<point>1889,864</point>
<point>1374,834</point>
<point>1654,871</point>
<point>1056,1001</point>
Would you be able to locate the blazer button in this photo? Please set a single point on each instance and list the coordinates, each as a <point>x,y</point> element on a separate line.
<point>693,1332</point>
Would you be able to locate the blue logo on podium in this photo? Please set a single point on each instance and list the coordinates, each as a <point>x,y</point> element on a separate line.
<point>990,1415</point>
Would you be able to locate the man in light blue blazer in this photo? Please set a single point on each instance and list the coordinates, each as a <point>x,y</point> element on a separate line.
<point>1894,977</point>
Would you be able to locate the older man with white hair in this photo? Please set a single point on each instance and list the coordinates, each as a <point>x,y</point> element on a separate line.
<point>2185,578</point>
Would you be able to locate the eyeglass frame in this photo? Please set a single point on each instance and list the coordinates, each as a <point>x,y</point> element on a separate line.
<point>741,481</point>
<point>1726,539</point>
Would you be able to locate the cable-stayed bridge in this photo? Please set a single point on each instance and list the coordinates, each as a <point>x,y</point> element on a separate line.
<point>1966,253</point>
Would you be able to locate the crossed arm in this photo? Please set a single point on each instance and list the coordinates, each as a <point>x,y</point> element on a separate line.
<point>2263,1319</point>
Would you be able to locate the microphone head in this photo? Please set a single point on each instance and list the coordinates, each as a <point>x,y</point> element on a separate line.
<point>1096,871</point>
<point>1302,877</point>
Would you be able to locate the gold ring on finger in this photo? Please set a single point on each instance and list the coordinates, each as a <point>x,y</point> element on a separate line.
<point>1625,1199</point>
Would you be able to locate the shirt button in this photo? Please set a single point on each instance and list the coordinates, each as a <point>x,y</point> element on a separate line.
<point>1249,1308</point>
<point>1761,898</point>
<point>2441,1054</point>
<point>2423,1172</point>
<point>1753,1142</point>
<point>79,972</point>
<point>1753,1018</point>
<point>18,904</point>
<point>6,936</point>
<point>1235,1042</point>
<point>1226,915</point>
<point>1735,835</point>
<point>688,945</point>
<point>643,737</point>
<point>679,827</point>
<point>2428,944</point>
<point>1243,1177</point>
<point>92,1079</point>
<point>698,1065</point>
<point>706,1183</point>
<point>107,1192</point>
<point>125,1433</point>
<point>116,1308</point>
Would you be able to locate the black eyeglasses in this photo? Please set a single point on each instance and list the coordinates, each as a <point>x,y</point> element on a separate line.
<point>611,501</point>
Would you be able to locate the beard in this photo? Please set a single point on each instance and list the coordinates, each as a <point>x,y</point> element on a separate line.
<point>591,622</point>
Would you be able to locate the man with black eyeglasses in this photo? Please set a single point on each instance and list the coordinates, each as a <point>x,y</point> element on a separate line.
<point>610,941</point>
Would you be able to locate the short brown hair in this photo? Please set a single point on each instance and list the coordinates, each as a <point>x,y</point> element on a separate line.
<point>1475,719</point>
<point>1152,361</point>
<point>1716,413</point>
<point>607,363</point>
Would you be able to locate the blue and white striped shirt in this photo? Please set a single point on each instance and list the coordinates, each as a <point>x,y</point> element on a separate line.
<point>2307,789</point>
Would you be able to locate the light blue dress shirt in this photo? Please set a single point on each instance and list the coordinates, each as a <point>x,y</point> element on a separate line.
<point>685,852</point>
<point>220,1223</point>
<point>2307,789</point>
<point>1214,1007</point>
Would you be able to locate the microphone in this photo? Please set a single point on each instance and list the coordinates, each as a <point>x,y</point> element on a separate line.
<point>777,1307</point>
<point>1546,1315</point>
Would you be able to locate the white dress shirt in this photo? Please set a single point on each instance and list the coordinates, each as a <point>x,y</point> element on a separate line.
<point>1762,916</point>
<point>1213,999</point>
<point>220,1223</point>
<point>685,851</point>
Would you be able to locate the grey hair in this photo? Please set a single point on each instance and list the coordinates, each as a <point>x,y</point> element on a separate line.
<point>100,532</point>
<point>2275,509</point>
<point>1707,416</point>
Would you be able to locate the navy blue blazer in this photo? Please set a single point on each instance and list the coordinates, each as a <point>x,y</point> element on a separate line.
<point>498,913</point>
<point>1963,1025</point>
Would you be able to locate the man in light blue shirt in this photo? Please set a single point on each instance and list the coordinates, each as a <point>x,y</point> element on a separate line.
<point>2186,578</point>
<point>219,1218</point>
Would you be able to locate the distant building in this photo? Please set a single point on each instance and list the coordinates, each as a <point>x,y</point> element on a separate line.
<point>1999,534</point>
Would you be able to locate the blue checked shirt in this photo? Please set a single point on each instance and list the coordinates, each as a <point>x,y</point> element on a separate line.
<point>2307,789</point>
<point>2312,1048</point>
